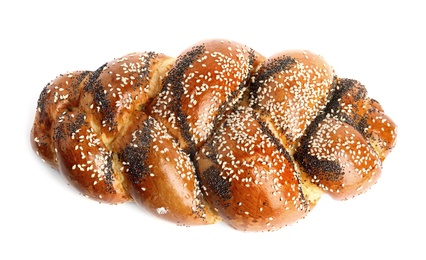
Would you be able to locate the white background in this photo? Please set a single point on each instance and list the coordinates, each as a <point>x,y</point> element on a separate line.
<point>380,43</point>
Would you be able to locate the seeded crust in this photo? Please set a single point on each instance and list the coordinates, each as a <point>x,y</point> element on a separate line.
<point>218,133</point>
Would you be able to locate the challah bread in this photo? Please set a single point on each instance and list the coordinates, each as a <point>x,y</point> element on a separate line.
<point>218,133</point>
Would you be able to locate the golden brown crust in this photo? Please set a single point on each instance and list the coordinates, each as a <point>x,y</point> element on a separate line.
<point>206,81</point>
<point>290,90</point>
<point>119,88</point>
<point>161,177</point>
<point>339,159</point>
<point>218,132</point>
<point>85,160</point>
<point>249,177</point>
<point>57,96</point>
<point>344,148</point>
<point>366,115</point>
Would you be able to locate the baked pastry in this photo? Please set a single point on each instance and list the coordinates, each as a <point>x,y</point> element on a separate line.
<point>218,133</point>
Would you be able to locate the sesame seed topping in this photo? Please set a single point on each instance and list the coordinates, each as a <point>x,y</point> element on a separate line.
<point>216,131</point>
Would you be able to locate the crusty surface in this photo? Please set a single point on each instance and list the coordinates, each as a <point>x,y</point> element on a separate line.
<point>218,133</point>
<point>290,90</point>
<point>249,177</point>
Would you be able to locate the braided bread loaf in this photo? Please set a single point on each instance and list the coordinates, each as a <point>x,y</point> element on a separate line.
<point>220,132</point>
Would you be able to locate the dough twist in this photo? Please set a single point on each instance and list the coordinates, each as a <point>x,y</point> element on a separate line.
<point>220,132</point>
